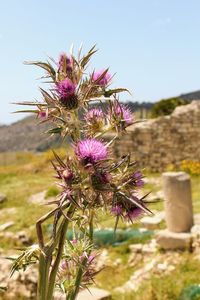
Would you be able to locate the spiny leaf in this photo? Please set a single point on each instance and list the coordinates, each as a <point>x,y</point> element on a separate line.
<point>54,130</point>
<point>31,103</point>
<point>115,91</point>
<point>84,61</point>
<point>26,111</point>
<point>46,66</point>
<point>59,160</point>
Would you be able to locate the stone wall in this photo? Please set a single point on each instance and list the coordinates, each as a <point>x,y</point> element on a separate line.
<point>167,140</point>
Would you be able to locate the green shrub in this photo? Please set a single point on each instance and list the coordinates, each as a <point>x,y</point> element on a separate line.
<point>166,106</point>
<point>53,191</point>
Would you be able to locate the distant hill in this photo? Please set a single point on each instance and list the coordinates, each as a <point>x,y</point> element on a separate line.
<point>191,96</point>
<point>25,135</point>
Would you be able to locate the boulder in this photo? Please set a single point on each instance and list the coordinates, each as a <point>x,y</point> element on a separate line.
<point>171,240</point>
<point>3,198</point>
<point>94,294</point>
<point>6,225</point>
<point>151,222</point>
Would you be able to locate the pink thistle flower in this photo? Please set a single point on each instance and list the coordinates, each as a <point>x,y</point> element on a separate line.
<point>137,179</point>
<point>65,88</point>
<point>134,213</point>
<point>124,113</point>
<point>104,81</point>
<point>94,115</point>
<point>91,151</point>
<point>116,210</point>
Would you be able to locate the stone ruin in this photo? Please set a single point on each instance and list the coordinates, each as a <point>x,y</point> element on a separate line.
<point>167,140</point>
<point>178,212</point>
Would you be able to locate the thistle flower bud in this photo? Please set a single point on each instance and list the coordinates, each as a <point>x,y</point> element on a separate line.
<point>137,180</point>
<point>68,175</point>
<point>116,210</point>
<point>42,114</point>
<point>104,81</point>
<point>122,114</point>
<point>94,119</point>
<point>65,63</point>
<point>100,178</point>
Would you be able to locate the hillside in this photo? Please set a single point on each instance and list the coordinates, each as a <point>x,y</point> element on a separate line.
<point>25,135</point>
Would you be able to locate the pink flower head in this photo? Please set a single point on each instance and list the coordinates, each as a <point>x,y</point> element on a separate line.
<point>90,151</point>
<point>124,113</point>
<point>116,210</point>
<point>137,179</point>
<point>65,88</point>
<point>103,81</point>
<point>94,115</point>
<point>134,213</point>
<point>65,63</point>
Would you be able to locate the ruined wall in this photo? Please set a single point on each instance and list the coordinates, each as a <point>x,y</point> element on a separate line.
<point>157,143</point>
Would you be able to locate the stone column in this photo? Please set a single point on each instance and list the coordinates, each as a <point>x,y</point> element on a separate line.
<point>178,201</point>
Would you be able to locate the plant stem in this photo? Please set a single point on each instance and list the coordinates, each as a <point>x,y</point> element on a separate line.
<point>78,281</point>
<point>54,270</point>
<point>44,264</point>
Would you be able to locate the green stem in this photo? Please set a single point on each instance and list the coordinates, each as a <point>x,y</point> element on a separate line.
<point>78,281</point>
<point>44,265</point>
<point>54,270</point>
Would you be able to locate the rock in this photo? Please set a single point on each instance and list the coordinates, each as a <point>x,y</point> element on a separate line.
<point>18,238</point>
<point>151,222</point>
<point>103,260</point>
<point>197,219</point>
<point>94,294</point>
<point>6,225</point>
<point>136,248</point>
<point>23,238</point>
<point>38,198</point>
<point>150,247</point>
<point>3,198</point>
<point>171,240</point>
<point>7,211</point>
<point>195,230</point>
<point>178,201</point>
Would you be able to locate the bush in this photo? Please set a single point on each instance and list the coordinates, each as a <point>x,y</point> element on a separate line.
<point>166,106</point>
<point>192,167</point>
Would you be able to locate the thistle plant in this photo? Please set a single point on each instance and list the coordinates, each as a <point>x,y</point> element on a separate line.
<point>83,108</point>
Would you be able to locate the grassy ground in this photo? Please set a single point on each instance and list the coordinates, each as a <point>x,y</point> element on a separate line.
<point>22,175</point>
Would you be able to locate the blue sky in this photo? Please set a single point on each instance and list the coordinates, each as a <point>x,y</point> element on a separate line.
<point>152,45</point>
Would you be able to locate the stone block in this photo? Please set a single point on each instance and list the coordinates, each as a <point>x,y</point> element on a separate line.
<point>151,222</point>
<point>178,201</point>
<point>6,225</point>
<point>94,294</point>
<point>3,198</point>
<point>172,240</point>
